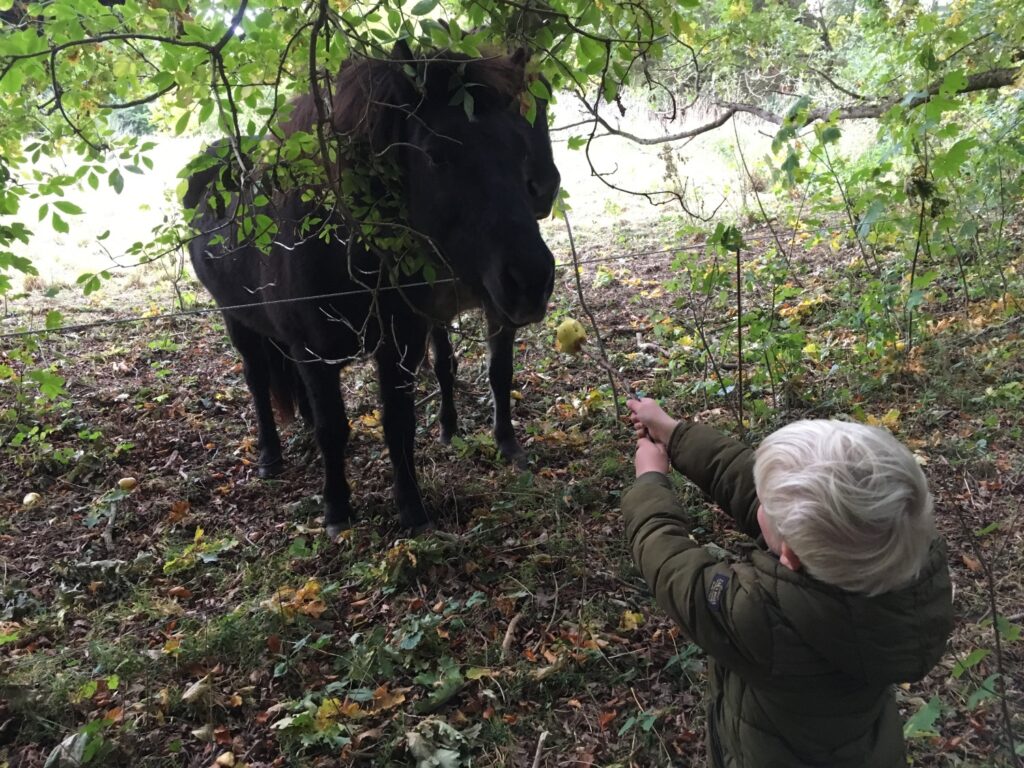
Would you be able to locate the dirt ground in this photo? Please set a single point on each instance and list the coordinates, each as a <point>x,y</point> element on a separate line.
<point>201,616</point>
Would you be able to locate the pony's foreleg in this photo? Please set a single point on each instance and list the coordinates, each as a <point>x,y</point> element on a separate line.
<point>331,428</point>
<point>445,368</point>
<point>397,362</point>
<point>256,367</point>
<point>500,342</point>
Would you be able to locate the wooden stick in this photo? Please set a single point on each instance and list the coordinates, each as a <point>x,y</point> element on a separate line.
<point>540,746</point>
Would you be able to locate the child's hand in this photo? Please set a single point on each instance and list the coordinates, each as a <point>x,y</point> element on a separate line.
<point>650,421</point>
<point>650,457</point>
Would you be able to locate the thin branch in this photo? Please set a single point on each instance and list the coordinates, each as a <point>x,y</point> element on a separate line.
<point>980,81</point>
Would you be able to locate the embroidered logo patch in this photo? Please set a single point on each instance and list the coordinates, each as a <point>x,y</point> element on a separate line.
<point>717,591</point>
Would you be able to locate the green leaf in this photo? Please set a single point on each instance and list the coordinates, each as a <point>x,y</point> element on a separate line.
<point>54,319</point>
<point>790,166</point>
<point>953,83</point>
<point>116,180</point>
<point>987,690</point>
<point>540,90</point>
<point>59,225</point>
<point>182,124</point>
<point>948,164</point>
<point>830,134</point>
<point>974,658</point>
<point>50,385</point>
<point>69,208</point>
<point>1009,631</point>
<point>923,721</point>
<point>590,49</point>
<point>423,7</point>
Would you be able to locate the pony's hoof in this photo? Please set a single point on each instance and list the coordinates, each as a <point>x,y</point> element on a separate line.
<point>514,454</point>
<point>267,470</point>
<point>415,521</point>
<point>334,530</point>
<point>418,530</point>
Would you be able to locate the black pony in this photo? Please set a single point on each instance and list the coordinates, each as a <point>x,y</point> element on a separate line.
<point>452,299</point>
<point>308,283</point>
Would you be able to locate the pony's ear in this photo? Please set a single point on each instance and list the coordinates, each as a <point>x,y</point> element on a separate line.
<point>402,52</point>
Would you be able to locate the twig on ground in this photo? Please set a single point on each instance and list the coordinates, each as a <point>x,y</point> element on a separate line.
<point>540,746</point>
<point>647,346</point>
<point>108,529</point>
<point>510,634</point>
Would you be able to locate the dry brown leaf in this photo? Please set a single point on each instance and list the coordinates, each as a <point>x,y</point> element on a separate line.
<point>178,511</point>
<point>180,591</point>
<point>972,563</point>
<point>384,699</point>
<point>605,718</point>
<point>372,734</point>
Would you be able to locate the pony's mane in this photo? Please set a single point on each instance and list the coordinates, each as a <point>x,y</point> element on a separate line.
<point>370,97</point>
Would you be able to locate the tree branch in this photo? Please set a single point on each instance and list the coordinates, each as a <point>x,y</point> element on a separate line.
<point>980,81</point>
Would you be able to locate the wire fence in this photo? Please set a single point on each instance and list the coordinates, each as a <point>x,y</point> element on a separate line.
<point>772,237</point>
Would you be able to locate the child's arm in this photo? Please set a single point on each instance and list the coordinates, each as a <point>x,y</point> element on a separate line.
<point>721,467</point>
<point>702,595</point>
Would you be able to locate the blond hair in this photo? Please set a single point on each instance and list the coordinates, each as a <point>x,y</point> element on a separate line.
<point>850,501</point>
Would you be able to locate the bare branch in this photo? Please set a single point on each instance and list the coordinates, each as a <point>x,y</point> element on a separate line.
<point>980,81</point>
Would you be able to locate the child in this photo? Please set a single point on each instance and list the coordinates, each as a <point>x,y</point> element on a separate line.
<point>806,640</point>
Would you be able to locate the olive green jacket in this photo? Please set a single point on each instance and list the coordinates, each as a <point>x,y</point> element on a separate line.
<point>801,673</point>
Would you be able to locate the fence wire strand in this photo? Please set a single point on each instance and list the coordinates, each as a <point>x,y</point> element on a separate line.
<point>80,327</point>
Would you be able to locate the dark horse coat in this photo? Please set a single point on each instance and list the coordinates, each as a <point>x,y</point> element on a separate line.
<point>306,280</point>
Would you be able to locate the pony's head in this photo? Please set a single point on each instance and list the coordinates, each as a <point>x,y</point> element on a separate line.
<point>474,173</point>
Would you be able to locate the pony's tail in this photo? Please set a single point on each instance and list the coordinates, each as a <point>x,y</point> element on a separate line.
<point>286,389</point>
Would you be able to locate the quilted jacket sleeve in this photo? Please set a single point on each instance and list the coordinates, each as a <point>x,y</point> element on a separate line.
<point>721,467</point>
<point>717,604</point>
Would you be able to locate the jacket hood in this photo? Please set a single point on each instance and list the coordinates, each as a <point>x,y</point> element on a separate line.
<point>894,638</point>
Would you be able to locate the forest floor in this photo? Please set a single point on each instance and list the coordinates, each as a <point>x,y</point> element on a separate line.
<point>202,616</point>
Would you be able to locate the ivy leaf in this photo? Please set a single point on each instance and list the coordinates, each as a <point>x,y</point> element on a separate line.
<point>923,721</point>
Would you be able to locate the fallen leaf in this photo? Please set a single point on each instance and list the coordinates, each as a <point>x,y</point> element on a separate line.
<point>972,563</point>
<point>605,718</point>
<point>178,511</point>
<point>226,760</point>
<point>630,620</point>
<point>197,692</point>
<point>384,699</point>
<point>179,591</point>
<point>274,643</point>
